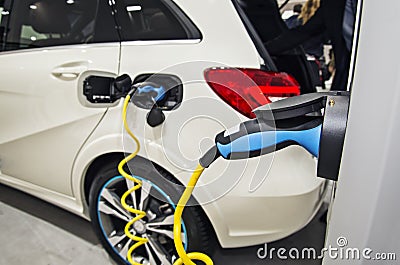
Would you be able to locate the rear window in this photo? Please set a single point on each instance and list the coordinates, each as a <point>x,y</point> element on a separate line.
<point>153,20</point>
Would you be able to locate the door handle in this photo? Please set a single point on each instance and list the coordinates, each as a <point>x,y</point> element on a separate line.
<point>69,71</point>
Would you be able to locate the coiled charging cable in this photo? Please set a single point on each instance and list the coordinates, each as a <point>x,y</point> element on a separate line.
<point>185,258</point>
<point>138,184</point>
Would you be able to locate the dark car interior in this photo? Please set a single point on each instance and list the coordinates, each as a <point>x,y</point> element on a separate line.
<point>157,20</point>
<point>43,23</point>
<point>266,19</point>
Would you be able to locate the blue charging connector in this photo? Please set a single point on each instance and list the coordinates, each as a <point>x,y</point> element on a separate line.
<point>262,142</point>
<point>158,93</point>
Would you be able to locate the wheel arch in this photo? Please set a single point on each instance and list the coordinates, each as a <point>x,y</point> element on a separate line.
<point>96,166</point>
<point>101,162</point>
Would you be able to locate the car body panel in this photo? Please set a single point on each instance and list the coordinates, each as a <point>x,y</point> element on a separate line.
<point>44,117</point>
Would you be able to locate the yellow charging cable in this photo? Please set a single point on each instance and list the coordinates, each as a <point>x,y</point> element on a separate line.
<point>138,184</point>
<point>185,258</point>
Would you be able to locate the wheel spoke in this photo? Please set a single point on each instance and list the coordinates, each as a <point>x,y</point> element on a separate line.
<point>160,255</point>
<point>168,233</point>
<point>152,260</point>
<point>110,198</point>
<point>106,209</point>
<point>124,251</point>
<point>130,184</point>
<point>144,194</point>
<point>169,220</point>
<point>115,239</point>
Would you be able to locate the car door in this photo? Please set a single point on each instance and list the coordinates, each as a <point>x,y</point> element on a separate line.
<point>47,46</point>
<point>156,35</point>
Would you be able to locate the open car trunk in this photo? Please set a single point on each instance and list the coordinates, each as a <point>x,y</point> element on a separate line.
<point>263,22</point>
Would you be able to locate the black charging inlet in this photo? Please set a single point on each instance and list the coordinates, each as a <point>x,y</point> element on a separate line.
<point>172,97</point>
<point>157,93</point>
<point>101,89</point>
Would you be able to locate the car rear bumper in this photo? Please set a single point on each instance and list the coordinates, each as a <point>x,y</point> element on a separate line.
<point>283,201</point>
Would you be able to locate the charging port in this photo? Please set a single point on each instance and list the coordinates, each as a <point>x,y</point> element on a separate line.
<point>161,91</point>
<point>100,89</point>
<point>172,90</point>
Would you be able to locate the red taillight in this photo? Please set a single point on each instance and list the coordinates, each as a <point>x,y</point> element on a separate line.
<point>247,89</point>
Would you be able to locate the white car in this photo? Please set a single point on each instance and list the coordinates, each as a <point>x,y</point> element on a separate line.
<point>62,143</point>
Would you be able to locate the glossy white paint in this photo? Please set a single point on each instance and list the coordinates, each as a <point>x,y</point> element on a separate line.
<point>43,123</point>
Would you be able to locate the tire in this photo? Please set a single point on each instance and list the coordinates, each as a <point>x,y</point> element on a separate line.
<point>157,196</point>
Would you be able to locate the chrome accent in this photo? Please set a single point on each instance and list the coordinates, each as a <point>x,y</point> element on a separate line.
<point>159,42</point>
<point>62,47</point>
